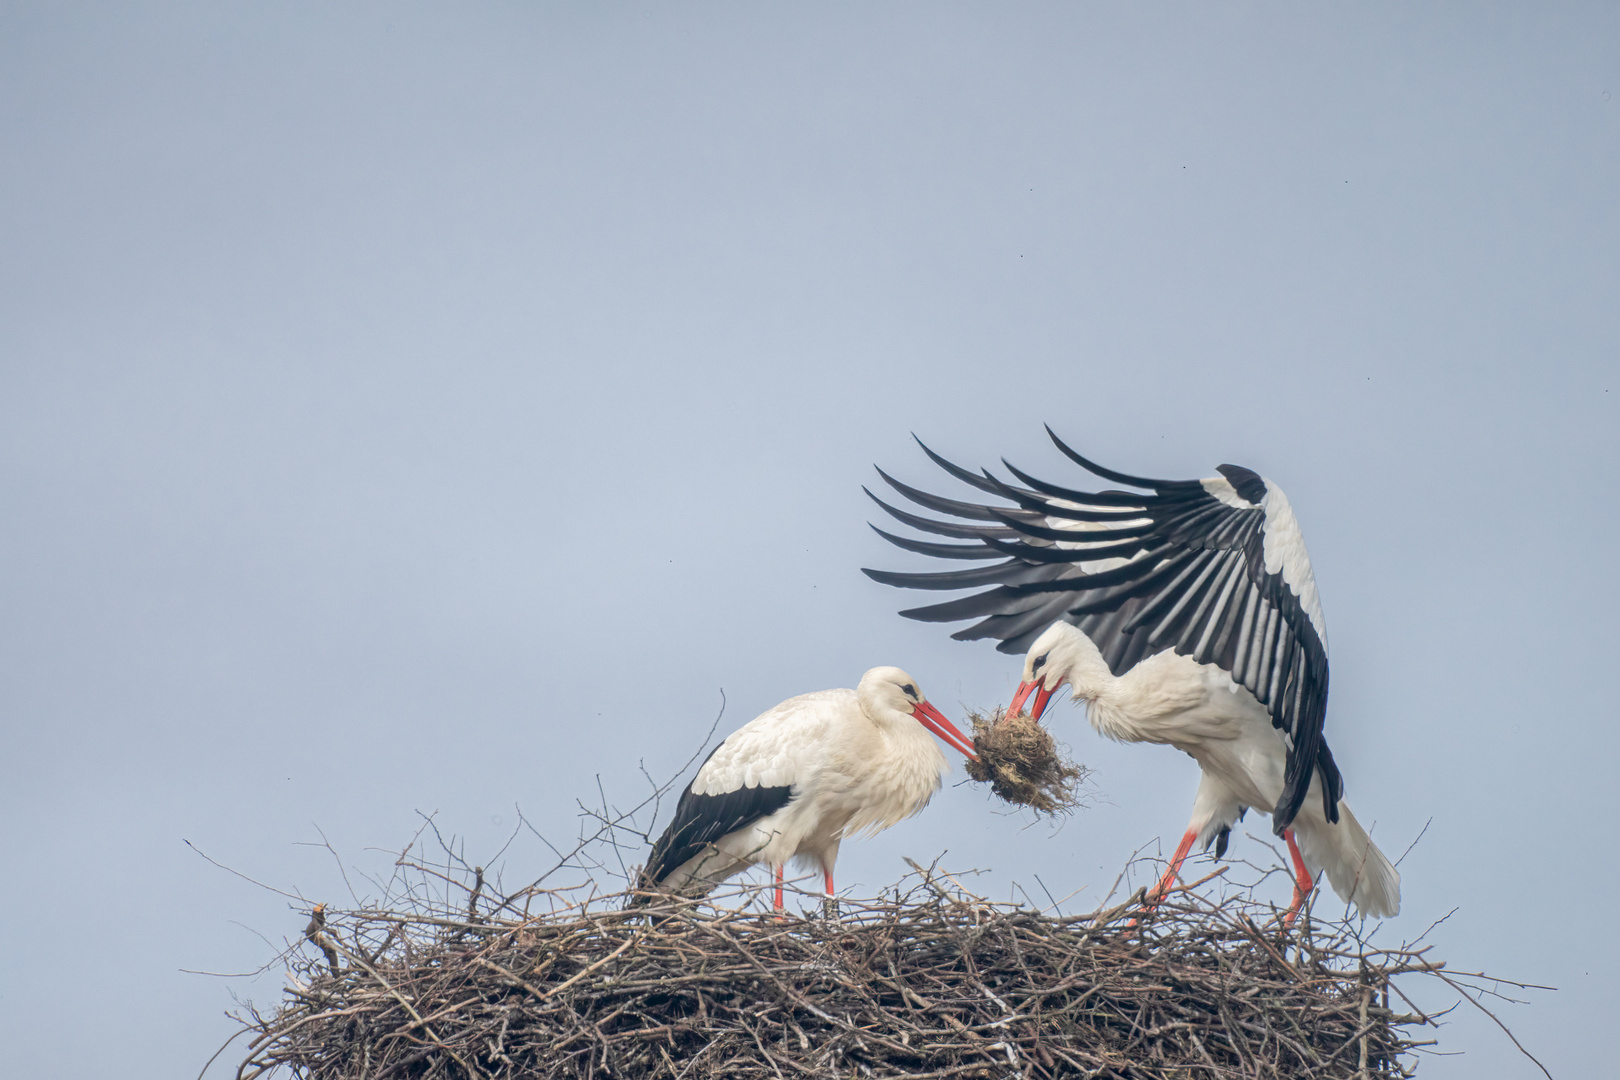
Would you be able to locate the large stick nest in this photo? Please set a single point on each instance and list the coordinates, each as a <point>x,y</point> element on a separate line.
<point>929,982</point>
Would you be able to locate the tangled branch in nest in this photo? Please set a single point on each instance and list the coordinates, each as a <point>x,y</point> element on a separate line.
<point>929,982</point>
<point>1020,760</point>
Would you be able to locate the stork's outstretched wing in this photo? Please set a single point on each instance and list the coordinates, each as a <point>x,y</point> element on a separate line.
<point>1214,569</point>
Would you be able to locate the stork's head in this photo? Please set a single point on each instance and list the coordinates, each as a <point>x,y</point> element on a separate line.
<point>885,691</point>
<point>1051,661</point>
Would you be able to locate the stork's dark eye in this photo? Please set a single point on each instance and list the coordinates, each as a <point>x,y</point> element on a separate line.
<point>911,691</point>
<point>1040,662</point>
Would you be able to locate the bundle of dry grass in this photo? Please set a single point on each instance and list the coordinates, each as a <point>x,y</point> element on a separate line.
<point>1020,760</point>
<point>930,982</point>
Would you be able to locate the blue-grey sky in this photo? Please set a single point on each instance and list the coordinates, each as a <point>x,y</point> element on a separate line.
<point>414,407</point>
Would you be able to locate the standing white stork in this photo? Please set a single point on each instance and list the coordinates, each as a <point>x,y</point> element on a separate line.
<point>1187,615</point>
<point>798,779</point>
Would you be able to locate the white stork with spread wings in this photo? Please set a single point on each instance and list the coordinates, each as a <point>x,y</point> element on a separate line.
<point>1186,614</point>
<point>797,780</point>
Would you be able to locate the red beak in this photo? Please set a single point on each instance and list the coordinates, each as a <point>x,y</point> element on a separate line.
<point>934,720</point>
<point>1042,696</point>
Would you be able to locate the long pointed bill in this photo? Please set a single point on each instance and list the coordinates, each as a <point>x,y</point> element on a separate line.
<point>934,720</point>
<point>1042,696</point>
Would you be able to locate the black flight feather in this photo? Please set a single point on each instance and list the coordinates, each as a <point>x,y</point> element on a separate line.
<point>939,551</point>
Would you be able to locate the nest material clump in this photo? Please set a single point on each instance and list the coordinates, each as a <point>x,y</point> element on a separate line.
<point>932,982</point>
<point>1020,760</point>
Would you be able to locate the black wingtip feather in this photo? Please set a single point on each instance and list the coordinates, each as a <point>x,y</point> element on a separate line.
<point>939,551</point>
<point>993,486</point>
<point>972,511</point>
<point>1110,474</point>
<point>970,578</point>
<point>941,528</point>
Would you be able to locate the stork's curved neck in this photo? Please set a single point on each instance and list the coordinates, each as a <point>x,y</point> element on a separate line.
<point>1085,670</point>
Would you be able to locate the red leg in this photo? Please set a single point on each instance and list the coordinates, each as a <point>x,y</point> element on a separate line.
<point>1168,882</point>
<point>778,888</point>
<point>1303,882</point>
<point>829,904</point>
